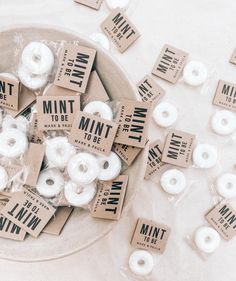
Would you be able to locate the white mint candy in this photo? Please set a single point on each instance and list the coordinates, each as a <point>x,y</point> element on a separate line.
<point>205,156</point>
<point>223,122</point>
<point>165,114</point>
<point>101,39</point>
<point>21,123</point>
<point>173,181</point>
<point>114,4</point>
<point>207,239</point>
<point>100,109</point>
<point>226,185</point>
<point>195,73</point>
<point>30,81</point>
<point>141,262</point>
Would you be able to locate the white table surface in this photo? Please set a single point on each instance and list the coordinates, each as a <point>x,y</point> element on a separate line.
<point>205,29</point>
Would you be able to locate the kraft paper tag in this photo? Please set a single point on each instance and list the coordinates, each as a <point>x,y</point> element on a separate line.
<point>233,57</point>
<point>150,235</point>
<point>33,163</point>
<point>95,90</point>
<point>74,68</point>
<point>149,90</point>
<point>154,163</point>
<point>120,30</point>
<point>35,135</point>
<point>57,112</point>
<point>8,229</point>
<point>178,148</point>
<point>92,133</point>
<point>54,90</point>
<point>26,99</point>
<point>95,4</point>
<point>225,95</point>
<point>109,200</point>
<point>133,119</point>
<point>223,218</point>
<point>170,63</point>
<point>57,222</point>
<point>126,152</point>
<point>29,211</point>
<point>9,92</point>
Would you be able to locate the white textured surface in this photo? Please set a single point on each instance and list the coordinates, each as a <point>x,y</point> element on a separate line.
<point>205,29</point>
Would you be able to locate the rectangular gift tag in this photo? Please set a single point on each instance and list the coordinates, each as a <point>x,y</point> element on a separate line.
<point>178,148</point>
<point>33,162</point>
<point>133,119</point>
<point>57,112</point>
<point>170,63</point>
<point>109,200</point>
<point>233,57</point>
<point>150,235</point>
<point>223,218</point>
<point>35,135</point>
<point>74,68</point>
<point>120,30</point>
<point>29,211</point>
<point>8,229</point>
<point>126,152</point>
<point>92,133</point>
<point>225,95</point>
<point>57,222</point>
<point>149,90</point>
<point>26,99</point>
<point>9,92</point>
<point>95,4</point>
<point>154,163</point>
<point>95,90</point>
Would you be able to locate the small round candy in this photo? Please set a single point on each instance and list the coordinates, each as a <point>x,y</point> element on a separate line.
<point>31,81</point>
<point>79,196</point>
<point>205,156</point>
<point>83,168</point>
<point>37,58</point>
<point>59,151</point>
<point>207,239</point>
<point>113,4</point>
<point>173,181</point>
<point>195,73</point>
<point>110,166</point>
<point>165,114</point>
<point>226,185</point>
<point>13,143</point>
<point>100,109</point>
<point>141,262</point>
<point>50,183</point>
<point>223,122</point>
<point>21,123</point>
<point>3,178</point>
<point>101,39</point>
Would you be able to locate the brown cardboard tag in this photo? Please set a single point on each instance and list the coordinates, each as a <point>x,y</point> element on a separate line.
<point>57,112</point>
<point>109,200</point>
<point>9,92</point>
<point>150,235</point>
<point>35,135</point>
<point>149,90</point>
<point>33,163</point>
<point>95,90</point>
<point>225,95</point>
<point>170,63</point>
<point>26,99</point>
<point>74,68</point>
<point>178,148</point>
<point>133,119</point>
<point>154,163</point>
<point>126,152</point>
<point>8,229</point>
<point>233,57</point>
<point>120,30</point>
<point>223,218</point>
<point>54,90</point>
<point>92,133</point>
<point>95,4</point>
<point>29,211</point>
<point>57,222</point>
